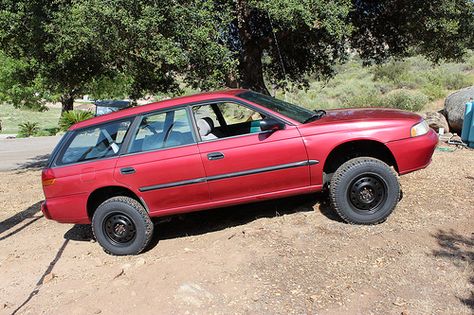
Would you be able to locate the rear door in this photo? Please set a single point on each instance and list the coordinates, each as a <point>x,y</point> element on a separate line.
<point>243,161</point>
<point>163,162</point>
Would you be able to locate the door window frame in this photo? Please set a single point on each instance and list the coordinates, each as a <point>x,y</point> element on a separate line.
<point>136,126</point>
<point>238,102</point>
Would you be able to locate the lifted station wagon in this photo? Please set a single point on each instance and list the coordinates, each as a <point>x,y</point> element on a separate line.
<point>218,149</point>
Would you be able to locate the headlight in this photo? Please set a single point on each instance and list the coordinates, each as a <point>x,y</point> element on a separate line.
<point>420,129</point>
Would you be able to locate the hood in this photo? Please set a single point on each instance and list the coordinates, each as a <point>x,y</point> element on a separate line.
<point>367,114</point>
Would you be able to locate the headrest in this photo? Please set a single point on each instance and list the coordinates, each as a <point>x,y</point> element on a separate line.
<point>205,126</point>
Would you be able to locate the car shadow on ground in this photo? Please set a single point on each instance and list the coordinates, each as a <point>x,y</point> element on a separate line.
<point>202,222</point>
<point>458,249</point>
<point>18,218</point>
<point>35,163</point>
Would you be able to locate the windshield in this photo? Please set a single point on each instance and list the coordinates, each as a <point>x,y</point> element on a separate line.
<point>294,112</point>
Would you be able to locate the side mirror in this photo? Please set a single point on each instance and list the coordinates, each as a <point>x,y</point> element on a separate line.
<point>270,124</point>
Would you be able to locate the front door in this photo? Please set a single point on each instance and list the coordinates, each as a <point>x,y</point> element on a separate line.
<point>242,161</point>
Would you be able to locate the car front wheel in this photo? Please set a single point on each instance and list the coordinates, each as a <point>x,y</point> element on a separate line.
<point>364,191</point>
<point>122,226</point>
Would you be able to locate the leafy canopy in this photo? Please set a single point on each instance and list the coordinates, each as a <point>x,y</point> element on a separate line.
<point>73,47</point>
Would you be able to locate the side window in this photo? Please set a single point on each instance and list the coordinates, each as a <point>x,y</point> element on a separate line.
<point>162,130</point>
<point>95,143</point>
<point>237,114</point>
<point>222,120</point>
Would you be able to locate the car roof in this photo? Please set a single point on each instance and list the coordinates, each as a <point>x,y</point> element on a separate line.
<point>137,110</point>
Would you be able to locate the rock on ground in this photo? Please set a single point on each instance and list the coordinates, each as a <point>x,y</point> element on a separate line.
<point>454,107</point>
<point>436,121</point>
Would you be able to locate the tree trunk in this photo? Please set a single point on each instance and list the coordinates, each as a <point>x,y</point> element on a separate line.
<point>250,61</point>
<point>67,102</point>
<point>251,68</point>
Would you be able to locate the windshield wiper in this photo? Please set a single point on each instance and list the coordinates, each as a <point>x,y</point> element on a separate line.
<point>317,115</point>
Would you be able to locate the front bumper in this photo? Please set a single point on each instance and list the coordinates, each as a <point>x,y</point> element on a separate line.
<point>412,154</point>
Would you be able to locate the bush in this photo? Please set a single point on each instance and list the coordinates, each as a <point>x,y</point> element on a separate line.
<point>47,132</point>
<point>406,100</point>
<point>72,117</point>
<point>434,91</point>
<point>28,129</point>
<point>456,81</point>
<point>394,72</point>
<point>363,100</point>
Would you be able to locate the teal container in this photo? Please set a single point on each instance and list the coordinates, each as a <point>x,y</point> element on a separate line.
<point>467,133</point>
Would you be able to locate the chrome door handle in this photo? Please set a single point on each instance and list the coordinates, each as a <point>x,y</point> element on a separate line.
<point>215,156</point>
<point>127,171</point>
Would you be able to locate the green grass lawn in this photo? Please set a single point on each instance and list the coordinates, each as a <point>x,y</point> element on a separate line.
<point>11,117</point>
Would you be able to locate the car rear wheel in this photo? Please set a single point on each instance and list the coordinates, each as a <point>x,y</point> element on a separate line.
<point>364,191</point>
<point>122,226</point>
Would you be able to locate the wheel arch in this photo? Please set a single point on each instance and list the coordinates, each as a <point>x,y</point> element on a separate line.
<point>99,195</point>
<point>350,149</point>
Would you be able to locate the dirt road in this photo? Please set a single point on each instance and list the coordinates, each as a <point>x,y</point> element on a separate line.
<point>290,256</point>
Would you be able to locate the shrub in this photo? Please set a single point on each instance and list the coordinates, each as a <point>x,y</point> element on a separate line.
<point>28,129</point>
<point>71,117</point>
<point>394,72</point>
<point>406,100</point>
<point>456,81</point>
<point>363,100</point>
<point>434,91</point>
<point>47,132</point>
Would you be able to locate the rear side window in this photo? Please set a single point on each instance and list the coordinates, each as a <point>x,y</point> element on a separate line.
<point>95,143</point>
<point>162,130</point>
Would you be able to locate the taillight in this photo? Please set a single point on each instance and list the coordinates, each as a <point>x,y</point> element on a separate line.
<point>47,177</point>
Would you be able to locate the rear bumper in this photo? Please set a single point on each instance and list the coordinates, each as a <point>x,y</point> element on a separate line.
<point>70,209</point>
<point>414,153</point>
<point>44,209</point>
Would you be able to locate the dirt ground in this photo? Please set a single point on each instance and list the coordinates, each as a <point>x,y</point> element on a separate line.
<point>290,256</point>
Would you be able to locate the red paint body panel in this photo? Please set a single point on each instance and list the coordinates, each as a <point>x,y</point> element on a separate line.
<point>197,183</point>
<point>161,167</point>
<point>251,152</point>
<point>414,153</point>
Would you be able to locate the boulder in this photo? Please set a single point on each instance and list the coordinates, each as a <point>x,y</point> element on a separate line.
<point>436,120</point>
<point>454,107</point>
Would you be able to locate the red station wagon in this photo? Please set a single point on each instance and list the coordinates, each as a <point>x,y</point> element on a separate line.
<point>225,148</point>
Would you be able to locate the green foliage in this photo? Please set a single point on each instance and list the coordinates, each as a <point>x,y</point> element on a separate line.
<point>418,73</point>
<point>86,47</point>
<point>357,86</point>
<point>72,117</point>
<point>47,132</point>
<point>28,129</point>
<point>118,87</point>
<point>413,101</point>
<point>434,91</point>
<point>134,48</point>
<point>439,29</point>
<point>17,87</point>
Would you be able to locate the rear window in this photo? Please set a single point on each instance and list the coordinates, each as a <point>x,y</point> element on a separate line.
<point>95,143</point>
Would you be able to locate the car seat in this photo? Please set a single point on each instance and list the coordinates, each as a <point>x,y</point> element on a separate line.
<point>206,126</point>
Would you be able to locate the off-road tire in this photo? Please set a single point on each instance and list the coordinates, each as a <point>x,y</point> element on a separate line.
<point>124,208</point>
<point>348,198</point>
